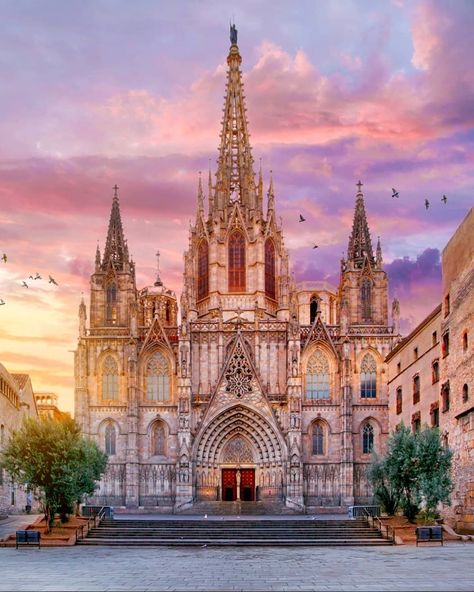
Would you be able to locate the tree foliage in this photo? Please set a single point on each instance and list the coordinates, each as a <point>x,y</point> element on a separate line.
<point>53,458</point>
<point>415,472</point>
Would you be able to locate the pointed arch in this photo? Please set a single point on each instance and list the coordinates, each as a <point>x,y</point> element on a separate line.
<point>158,438</point>
<point>110,439</point>
<point>270,283</point>
<point>237,269</point>
<point>317,376</point>
<point>111,303</point>
<point>366,299</point>
<point>368,377</point>
<point>203,269</point>
<point>157,378</point>
<point>109,378</point>
<point>319,437</point>
<point>367,438</point>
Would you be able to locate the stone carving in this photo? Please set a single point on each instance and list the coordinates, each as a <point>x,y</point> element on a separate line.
<point>238,374</point>
<point>237,451</point>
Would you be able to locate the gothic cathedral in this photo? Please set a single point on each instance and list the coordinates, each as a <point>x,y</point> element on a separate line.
<point>267,391</point>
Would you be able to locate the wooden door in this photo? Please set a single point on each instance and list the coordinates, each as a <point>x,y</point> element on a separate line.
<point>229,485</point>
<point>247,485</point>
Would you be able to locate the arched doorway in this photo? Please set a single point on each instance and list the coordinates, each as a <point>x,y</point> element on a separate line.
<point>239,456</point>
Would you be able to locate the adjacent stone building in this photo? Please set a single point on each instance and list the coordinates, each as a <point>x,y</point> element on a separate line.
<point>430,372</point>
<point>47,405</point>
<point>457,367</point>
<point>16,401</point>
<point>267,390</point>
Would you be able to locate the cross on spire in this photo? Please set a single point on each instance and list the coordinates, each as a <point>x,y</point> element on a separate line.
<point>115,188</point>
<point>359,185</point>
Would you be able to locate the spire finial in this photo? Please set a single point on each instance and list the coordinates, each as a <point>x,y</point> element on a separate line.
<point>158,281</point>
<point>359,185</point>
<point>115,188</point>
<point>233,34</point>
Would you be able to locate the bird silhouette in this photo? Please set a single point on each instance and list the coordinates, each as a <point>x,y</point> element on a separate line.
<point>444,199</point>
<point>2,302</point>
<point>395,193</point>
<point>315,246</point>
<point>427,203</point>
<point>37,276</point>
<point>30,277</point>
<point>52,281</point>
<point>302,219</point>
<point>24,284</point>
<point>4,257</point>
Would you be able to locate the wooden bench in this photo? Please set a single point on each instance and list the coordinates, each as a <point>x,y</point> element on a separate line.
<point>28,538</point>
<point>427,534</point>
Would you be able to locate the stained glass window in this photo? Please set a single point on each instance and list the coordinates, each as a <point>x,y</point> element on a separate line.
<point>110,439</point>
<point>203,269</point>
<point>270,268</point>
<point>236,262</point>
<point>157,378</point>
<point>368,377</point>
<point>367,438</point>
<point>318,438</point>
<point>109,378</point>
<point>317,376</point>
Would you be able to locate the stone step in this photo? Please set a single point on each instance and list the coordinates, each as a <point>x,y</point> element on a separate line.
<point>237,543</point>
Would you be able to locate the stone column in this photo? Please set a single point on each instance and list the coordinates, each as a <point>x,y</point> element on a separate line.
<point>347,455</point>
<point>132,465</point>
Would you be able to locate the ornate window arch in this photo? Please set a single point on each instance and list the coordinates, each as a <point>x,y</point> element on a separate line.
<point>317,376</point>
<point>368,377</point>
<point>110,437</point>
<point>110,378</point>
<point>270,289</point>
<point>237,270</point>
<point>367,438</point>
<point>158,439</point>
<point>111,303</point>
<point>319,437</point>
<point>157,378</point>
<point>366,299</point>
<point>203,269</point>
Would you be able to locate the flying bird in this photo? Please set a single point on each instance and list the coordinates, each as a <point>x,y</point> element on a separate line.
<point>4,257</point>
<point>37,276</point>
<point>395,193</point>
<point>2,302</point>
<point>315,246</point>
<point>302,219</point>
<point>444,199</point>
<point>24,284</point>
<point>52,281</point>
<point>31,277</point>
<point>427,203</point>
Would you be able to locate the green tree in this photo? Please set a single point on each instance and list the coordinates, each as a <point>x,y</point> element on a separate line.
<point>384,492</point>
<point>415,470</point>
<point>56,460</point>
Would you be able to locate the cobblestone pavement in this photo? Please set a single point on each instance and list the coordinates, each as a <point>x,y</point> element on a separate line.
<point>253,569</point>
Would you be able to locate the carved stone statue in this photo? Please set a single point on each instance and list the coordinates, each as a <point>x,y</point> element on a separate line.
<point>396,316</point>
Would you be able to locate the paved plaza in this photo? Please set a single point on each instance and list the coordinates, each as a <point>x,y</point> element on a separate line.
<point>163,568</point>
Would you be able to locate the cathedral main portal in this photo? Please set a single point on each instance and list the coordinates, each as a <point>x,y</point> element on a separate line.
<point>238,484</point>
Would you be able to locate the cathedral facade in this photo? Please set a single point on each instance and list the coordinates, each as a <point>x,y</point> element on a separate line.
<point>266,389</point>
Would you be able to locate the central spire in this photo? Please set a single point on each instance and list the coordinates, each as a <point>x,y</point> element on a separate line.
<point>360,243</point>
<point>116,250</point>
<point>235,175</point>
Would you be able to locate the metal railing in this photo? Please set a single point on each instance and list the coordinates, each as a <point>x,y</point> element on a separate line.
<point>375,522</point>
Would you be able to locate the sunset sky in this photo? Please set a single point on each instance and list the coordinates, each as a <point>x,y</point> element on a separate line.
<point>98,92</point>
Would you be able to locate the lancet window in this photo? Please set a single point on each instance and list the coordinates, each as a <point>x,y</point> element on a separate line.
<point>314,307</point>
<point>368,377</point>
<point>318,438</point>
<point>110,439</point>
<point>367,438</point>
<point>157,378</point>
<point>109,378</point>
<point>270,268</point>
<point>111,306</point>
<point>237,262</point>
<point>317,376</point>
<point>203,269</point>
<point>366,299</point>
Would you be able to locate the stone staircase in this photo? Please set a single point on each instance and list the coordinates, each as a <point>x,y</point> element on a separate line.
<point>238,508</point>
<point>277,531</point>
